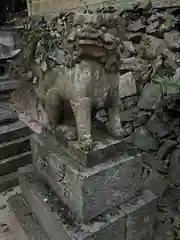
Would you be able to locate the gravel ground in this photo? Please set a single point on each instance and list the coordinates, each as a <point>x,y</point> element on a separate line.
<point>7,227</point>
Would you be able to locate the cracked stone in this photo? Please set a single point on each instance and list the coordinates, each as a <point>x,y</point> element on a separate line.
<point>173,40</point>
<point>127,85</point>
<point>150,97</point>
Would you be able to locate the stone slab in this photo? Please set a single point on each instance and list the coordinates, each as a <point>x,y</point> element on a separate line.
<point>105,147</point>
<point>25,226</point>
<point>9,181</point>
<point>13,131</point>
<point>7,86</point>
<point>14,147</point>
<point>165,3</point>
<point>115,181</point>
<point>11,164</point>
<point>59,222</point>
<point>140,212</point>
<point>50,7</point>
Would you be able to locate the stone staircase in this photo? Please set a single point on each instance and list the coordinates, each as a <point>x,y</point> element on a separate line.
<point>15,150</point>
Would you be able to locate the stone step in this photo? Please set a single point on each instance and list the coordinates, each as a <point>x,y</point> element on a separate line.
<point>11,164</point>
<point>131,221</point>
<point>14,131</point>
<point>23,224</point>
<point>9,181</point>
<point>4,97</point>
<point>8,86</point>
<point>82,190</point>
<point>14,147</point>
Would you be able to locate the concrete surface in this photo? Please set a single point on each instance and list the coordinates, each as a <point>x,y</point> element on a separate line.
<point>6,232</point>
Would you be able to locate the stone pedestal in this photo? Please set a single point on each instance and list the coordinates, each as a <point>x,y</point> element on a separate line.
<point>72,200</point>
<point>82,189</point>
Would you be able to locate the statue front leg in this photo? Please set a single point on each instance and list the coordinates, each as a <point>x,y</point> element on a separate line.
<point>82,113</point>
<point>114,121</point>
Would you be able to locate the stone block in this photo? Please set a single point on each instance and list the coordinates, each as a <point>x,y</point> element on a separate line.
<point>59,223</point>
<point>23,224</point>
<point>14,131</point>
<point>127,85</point>
<point>156,183</point>
<point>11,164</point>
<point>14,147</point>
<point>115,181</point>
<point>106,147</point>
<point>140,215</point>
<point>8,181</point>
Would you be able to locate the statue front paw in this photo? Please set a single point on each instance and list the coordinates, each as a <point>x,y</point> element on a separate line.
<point>87,145</point>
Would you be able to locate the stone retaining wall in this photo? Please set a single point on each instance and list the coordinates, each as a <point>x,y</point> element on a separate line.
<point>49,7</point>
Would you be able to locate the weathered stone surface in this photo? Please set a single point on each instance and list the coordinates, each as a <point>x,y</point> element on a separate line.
<point>7,116</point>
<point>9,181</point>
<point>156,183</point>
<point>144,140</point>
<point>14,147</point>
<point>7,86</point>
<point>22,220</point>
<point>105,147</point>
<point>129,115</point>
<point>11,164</point>
<point>130,102</point>
<point>14,131</point>
<point>137,26</point>
<point>153,162</point>
<point>140,214</point>
<point>165,3</point>
<point>152,46</point>
<point>127,85</point>
<point>150,97</point>
<point>168,146</point>
<point>159,128</point>
<point>141,119</point>
<point>83,190</point>
<point>174,170</point>
<point>173,40</point>
<point>59,223</point>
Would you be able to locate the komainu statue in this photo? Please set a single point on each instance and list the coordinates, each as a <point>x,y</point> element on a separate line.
<point>88,88</point>
<point>89,80</point>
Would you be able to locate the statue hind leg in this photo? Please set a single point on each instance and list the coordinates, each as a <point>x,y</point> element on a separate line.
<point>54,107</point>
<point>114,121</point>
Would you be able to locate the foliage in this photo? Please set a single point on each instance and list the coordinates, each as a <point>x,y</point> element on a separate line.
<point>169,85</point>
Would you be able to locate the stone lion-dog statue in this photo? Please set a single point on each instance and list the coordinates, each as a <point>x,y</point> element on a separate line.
<point>88,88</point>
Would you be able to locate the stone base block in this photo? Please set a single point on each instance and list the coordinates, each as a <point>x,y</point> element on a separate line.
<point>106,147</point>
<point>131,221</point>
<point>23,223</point>
<point>82,190</point>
